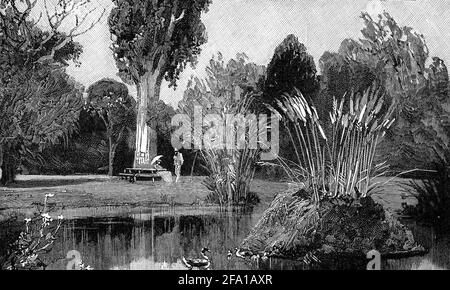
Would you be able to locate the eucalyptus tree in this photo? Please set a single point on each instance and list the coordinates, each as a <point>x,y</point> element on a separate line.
<point>152,41</point>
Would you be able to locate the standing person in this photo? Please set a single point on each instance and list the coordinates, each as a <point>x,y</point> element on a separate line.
<point>177,162</point>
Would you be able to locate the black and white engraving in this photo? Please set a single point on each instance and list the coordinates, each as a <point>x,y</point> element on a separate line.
<point>224,135</point>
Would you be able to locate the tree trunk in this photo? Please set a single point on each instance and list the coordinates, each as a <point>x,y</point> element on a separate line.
<point>146,138</point>
<point>8,166</point>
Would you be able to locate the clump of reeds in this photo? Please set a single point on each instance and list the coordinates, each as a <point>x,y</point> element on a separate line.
<point>342,162</point>
<point>355,137</point>
<point>231,170</point>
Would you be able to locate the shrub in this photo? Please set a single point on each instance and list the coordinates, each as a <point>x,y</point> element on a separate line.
<point>33,242</point>
<point>432,194</point>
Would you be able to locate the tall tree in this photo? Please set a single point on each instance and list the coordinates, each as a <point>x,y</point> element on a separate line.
<point>397,56</point>
<point>38,101</point>
<point>152,41</point>
<point>110,100</point>
<point>291,67</point>
<point>402,53</point>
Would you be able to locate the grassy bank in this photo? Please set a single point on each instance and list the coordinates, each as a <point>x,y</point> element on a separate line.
<point>98,190</point>
<point>86,191</point>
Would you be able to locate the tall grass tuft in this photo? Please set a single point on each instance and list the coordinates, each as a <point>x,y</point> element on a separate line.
<point>231,169</point>
<point>432,193</point>
<point>340,163</point>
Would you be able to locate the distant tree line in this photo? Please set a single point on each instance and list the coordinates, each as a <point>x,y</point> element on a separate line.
<point>39,102</point>
<point>48,126</point>
<point>394,58</point>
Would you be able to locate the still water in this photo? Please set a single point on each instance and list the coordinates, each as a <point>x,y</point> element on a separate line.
<point>158,238</point>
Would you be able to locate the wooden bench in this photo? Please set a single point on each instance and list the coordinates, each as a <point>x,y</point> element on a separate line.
<point>132,174</point>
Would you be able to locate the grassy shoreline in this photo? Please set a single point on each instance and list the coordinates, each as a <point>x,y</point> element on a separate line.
<point>80,191</point>
<point>93,191</point>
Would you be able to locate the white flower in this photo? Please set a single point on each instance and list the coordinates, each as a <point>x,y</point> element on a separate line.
<point>27,220</point>
<point>60,217</point>
<point>50,195</point>
<point>46,215</point>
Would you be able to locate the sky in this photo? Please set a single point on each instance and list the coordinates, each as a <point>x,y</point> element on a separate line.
<point>256,27</point>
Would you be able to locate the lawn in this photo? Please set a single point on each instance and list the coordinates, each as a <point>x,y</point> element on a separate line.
<point>81,191</point>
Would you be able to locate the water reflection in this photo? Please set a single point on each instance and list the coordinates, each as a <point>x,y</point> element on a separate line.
<point>153,240</point>
<point>159,238</point>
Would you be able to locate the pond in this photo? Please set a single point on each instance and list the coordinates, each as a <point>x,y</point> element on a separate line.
<point>158,238</point>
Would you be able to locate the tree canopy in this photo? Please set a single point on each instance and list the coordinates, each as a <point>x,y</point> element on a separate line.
<point>111,101</point>
<point>156,36</point>
<point>342,75</point>
<point>291,67</point>
<point>24,44</point>
<point>224,82</point>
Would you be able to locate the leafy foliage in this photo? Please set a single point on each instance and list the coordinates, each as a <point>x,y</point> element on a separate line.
<point>159,116</point>
<point>158,35</point>
<point>37,239</point>
<point>227,89</point>
<point>110,100</point>
<point>224,82</point>
<point>432,194</point>
<point>40,108</point>
<point>341,76</point>
<point>396,58</point>
<point>152,41</point>
<point>291,68</point>
<point>86,153</point>
<point>39,102</point>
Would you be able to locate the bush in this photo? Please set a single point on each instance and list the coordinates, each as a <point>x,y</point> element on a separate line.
<point>432,194</point>
<point>37,239</point>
